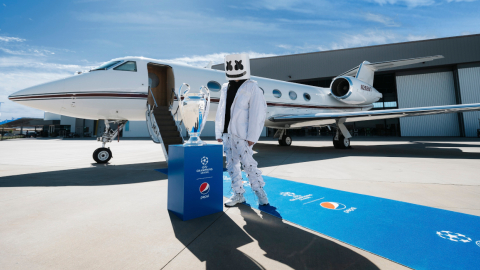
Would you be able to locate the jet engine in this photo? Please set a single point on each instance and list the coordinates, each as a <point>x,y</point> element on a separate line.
<point>352,91</point>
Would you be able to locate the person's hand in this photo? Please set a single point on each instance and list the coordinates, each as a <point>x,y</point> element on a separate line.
<point>250,143</point>
<point>219,140</point>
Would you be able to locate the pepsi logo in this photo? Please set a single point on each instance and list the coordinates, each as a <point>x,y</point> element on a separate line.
<point>204,188</point>
<point>333,205</point>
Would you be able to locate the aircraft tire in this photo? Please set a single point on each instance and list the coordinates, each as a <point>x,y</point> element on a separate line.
<point>342,143</point>
<point>286,141</point>
<point>102,155</point>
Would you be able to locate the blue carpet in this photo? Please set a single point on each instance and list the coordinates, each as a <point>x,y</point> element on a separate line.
<point>417,236</point>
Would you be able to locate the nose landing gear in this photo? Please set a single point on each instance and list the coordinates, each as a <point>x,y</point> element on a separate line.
<point>103,154</point>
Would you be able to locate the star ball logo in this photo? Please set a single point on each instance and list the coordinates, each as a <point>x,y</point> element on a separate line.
<point>204,189</point>
<point>204,161</point>
<point>455,237</point>
<point>333,205</point>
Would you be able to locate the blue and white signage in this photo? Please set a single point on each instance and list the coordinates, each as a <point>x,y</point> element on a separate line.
<point>195,180</point>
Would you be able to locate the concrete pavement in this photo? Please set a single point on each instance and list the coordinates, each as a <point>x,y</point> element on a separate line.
<point>62,211</point>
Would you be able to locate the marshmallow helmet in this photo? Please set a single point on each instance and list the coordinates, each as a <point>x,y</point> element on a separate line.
<point>237,67</point>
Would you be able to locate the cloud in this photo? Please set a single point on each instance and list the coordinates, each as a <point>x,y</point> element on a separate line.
<point>333,23</point>
<point>367,38</point>
<point>181,21</point>
<point>416,3</point>
<point>33,52</point>
<point>10,39</point>
<point>301,6</point>
<point>387,21</point>
<point>216,58</point>
<point>409,3</point>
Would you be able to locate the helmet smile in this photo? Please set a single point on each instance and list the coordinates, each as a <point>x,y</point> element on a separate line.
<point>237,75</point>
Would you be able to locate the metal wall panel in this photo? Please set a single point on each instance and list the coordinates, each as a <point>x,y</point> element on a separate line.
<point>470,91</point>
<point>424,90</point>
<point>297,67</point>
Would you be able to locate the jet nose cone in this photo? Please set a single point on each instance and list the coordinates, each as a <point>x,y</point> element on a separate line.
<point>37,92</point>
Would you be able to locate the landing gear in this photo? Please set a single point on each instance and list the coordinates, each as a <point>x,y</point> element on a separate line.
<point>341,143</point>
<point>283,138</point>
<point>103,154</point>
<point>341,140</point>
<point>285,141</point>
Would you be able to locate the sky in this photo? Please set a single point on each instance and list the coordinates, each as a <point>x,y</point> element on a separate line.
<point>41,41</point>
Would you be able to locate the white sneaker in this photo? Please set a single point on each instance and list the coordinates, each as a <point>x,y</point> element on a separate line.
<point>262,196</point>
<point>236,198</point>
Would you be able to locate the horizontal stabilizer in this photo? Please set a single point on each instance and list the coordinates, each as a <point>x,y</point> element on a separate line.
<point>389,64</point>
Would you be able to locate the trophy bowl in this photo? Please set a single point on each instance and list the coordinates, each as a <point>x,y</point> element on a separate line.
<point>194,108</point>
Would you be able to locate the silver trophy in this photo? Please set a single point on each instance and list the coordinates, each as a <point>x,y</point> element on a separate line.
<point>194,108</point>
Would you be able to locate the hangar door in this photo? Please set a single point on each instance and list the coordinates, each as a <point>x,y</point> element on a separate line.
<point>422,90</point>
<point>469,88</point>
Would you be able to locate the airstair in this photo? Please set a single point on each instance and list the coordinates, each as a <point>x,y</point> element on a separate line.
<point>164,124</point>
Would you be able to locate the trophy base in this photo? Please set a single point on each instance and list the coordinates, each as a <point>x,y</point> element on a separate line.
<point>194,141</point>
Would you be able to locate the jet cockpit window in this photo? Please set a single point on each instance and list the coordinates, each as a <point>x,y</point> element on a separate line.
<point>127,66</point>
<point>107,65</point>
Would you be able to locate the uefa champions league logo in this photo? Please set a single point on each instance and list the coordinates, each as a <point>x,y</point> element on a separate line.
<point>455,237</point>
<point>204,161</point>
<point>204,169</point>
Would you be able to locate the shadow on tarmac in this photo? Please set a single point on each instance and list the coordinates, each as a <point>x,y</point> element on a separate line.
<point>218,245</point>
<point>274,155</point>
<point>98,175</point>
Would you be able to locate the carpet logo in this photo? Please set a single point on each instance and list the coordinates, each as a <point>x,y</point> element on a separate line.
<point>478,243</point>
<point>455,237</point>
<point>333,205</point>
<point>295,196</point>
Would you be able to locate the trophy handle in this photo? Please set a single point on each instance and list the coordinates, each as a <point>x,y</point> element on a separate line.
<point>179,96</point>
<point>207,107</point>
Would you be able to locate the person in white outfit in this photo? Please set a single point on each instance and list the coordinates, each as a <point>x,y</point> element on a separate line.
<point>239,122</point>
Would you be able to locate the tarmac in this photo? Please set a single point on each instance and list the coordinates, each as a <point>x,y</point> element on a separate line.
<point>60,210</point>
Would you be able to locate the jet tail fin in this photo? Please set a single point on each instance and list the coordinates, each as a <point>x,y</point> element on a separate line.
<point>365,71</point>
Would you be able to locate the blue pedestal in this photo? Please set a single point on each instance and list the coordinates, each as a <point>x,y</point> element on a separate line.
<point>195,180</point>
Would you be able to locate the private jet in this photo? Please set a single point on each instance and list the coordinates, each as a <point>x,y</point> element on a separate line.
<point>139,89</point>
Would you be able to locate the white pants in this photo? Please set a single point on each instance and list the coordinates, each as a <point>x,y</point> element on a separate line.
<point>237,150</point>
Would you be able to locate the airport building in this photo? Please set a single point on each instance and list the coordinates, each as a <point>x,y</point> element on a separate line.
<point>455,79</point>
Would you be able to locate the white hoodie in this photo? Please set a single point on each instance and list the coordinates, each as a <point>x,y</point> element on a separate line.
<point>247,114</point>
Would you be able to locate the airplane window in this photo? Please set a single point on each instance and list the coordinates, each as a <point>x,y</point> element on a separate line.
<point>153,80</point>
<point>214,86</point>
<point>107,65</point>
<point>307,97</point>
<point>277,93</point>
<point>292,95</point>
<point>127,66</point>
<point>262,90</point>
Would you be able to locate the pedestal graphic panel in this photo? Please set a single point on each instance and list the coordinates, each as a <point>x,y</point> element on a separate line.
<point>195,180</point>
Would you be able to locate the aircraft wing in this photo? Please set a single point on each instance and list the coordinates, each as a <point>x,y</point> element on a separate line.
<point>320,119</point>
<point>391,64</point>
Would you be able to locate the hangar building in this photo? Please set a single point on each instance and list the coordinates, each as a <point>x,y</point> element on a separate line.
<point>454,79</point>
